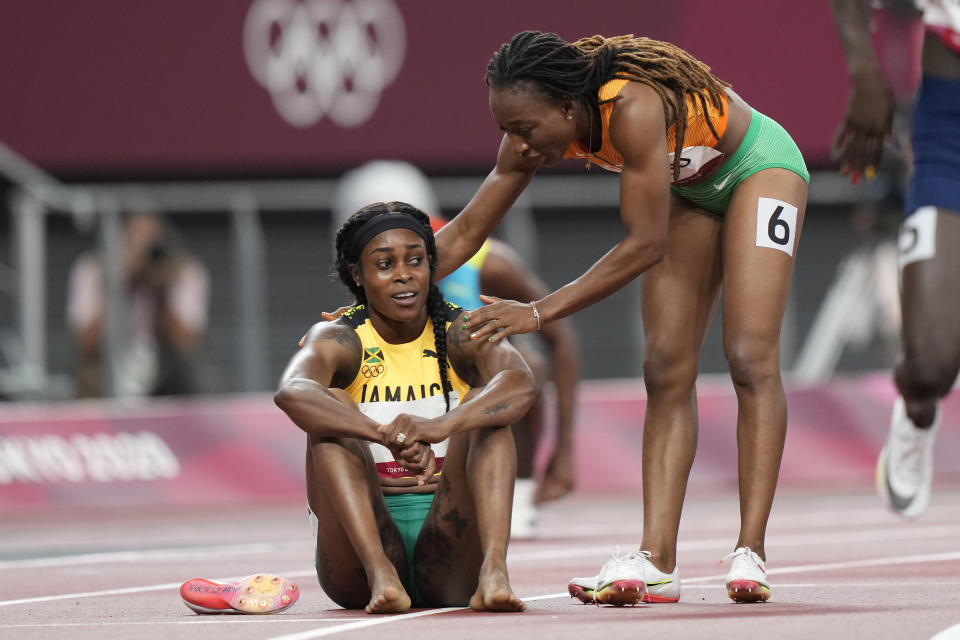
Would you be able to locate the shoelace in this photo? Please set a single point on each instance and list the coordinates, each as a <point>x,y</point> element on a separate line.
<point>749,553</point>
<point>631,555</point>
<point>912,451</point>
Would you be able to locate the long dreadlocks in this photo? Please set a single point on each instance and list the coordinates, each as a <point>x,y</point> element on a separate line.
<point>576,71</point>
<point>436,307</point>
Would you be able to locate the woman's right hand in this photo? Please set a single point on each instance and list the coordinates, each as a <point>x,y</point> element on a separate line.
<point>329,317</point>
<point>417,457</point>
<point>867,124</point>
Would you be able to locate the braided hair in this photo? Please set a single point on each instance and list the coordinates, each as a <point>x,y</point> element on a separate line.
<point>576,71</point>
<point>436,307</point>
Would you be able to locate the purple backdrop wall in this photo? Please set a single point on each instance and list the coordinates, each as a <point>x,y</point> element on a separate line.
<point>109,85</point>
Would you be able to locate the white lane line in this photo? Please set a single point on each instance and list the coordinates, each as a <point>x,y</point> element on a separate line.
<point>580,552</point>
<point>329,631</point>
<point>248,620</point>
<point>950,633</point>
<point>350,626</point>
<point>221,619</point>
<point>148,555</point>
<point>152,587</point>
<point>830,518</point>
<point>914,532</point>
<point>851,564</point>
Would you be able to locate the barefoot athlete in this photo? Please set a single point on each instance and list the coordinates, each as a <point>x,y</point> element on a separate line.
<point>409,467</point>
<point>712,196</point>
<point>495,270</point>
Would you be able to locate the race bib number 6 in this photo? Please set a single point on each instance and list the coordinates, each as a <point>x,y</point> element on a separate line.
<point>776,224</point>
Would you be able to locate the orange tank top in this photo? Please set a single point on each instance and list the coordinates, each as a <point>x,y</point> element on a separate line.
<point>698,157</point>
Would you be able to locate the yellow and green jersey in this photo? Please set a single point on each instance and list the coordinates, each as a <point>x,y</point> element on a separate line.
<point>400,378</point>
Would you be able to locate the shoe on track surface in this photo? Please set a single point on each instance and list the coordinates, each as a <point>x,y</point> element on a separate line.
<point>747,578</point>
<point>259,593</point>
<point>627,579</point>
<point>524,519</point>
<point>905,465</point>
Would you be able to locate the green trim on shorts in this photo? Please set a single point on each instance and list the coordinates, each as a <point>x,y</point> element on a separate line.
<point>409,511</point>
<point>766,145</point>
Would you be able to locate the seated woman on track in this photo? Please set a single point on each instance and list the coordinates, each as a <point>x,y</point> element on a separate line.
<point>409,486</point>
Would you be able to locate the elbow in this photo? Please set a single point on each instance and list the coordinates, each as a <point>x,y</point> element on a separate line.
<point>647,253</point>
<point>283,398</point>
<point>521,388</point>
<point>532,389</point>
<point>287,396</point>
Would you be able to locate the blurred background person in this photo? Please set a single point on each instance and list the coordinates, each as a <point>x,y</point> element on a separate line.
<point>929,234</point>
<point>496,270</point>
<point>166,313</point>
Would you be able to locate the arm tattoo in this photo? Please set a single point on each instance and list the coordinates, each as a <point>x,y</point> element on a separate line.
<point>458,339</point>
<point>497,408</point>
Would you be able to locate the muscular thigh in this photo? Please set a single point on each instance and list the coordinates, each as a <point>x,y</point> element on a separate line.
<point>761,233</point>
<point>679,294</point>
<point>930,303</point>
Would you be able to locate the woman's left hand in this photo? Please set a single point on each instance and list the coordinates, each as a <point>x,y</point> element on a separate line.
<point>406,429</point>
<point>499,319</point>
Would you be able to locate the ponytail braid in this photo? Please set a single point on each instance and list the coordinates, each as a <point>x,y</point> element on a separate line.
<point>437,309</point>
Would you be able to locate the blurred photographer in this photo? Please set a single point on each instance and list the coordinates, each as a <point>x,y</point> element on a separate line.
<point>166,314</point>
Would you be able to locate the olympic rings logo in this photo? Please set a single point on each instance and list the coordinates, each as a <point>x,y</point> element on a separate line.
<point>324,57</point>
<point>373,371</point>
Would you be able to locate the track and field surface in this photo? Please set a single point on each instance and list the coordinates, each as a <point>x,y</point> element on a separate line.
<point>841,566</point>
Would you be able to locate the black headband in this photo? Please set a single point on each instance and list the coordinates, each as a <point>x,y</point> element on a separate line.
<point>375,226</point>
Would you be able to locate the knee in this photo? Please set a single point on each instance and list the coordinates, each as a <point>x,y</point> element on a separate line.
<point>669,369</point>
<point>335,445</point>
<point>491,436</point>
<point>752,362</point>
<point>926,378</point>
<point>347,594</point>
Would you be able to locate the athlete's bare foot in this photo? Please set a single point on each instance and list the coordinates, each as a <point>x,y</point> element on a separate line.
<point>495,594</point>
<point>387,595</point>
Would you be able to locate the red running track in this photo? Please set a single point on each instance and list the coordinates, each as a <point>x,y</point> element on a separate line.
<point>841,566</point>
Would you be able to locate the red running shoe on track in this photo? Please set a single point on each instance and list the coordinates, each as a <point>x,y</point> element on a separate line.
<point>260,593</point>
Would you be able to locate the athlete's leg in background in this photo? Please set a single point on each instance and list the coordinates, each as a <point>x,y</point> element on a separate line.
<point>527,433</point>
<point>930,308</point>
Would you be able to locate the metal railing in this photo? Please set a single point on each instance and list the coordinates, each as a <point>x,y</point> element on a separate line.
<point>37,195</point>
